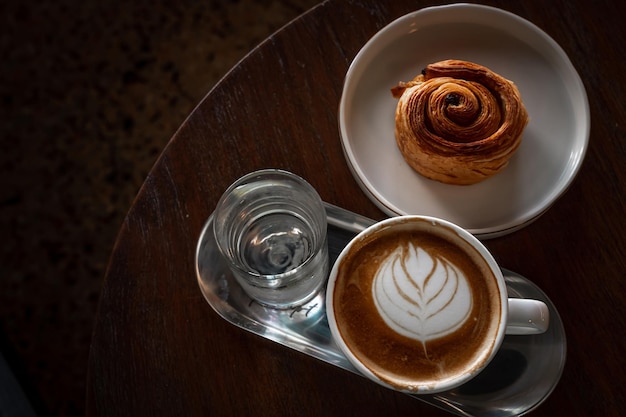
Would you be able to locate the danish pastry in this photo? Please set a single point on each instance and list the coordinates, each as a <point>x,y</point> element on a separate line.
<point>458,122</point>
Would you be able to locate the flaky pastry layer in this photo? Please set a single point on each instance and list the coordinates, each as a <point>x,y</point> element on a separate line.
<point>458,122</point>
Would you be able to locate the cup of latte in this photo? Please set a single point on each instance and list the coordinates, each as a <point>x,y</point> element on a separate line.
<point>419,305</point>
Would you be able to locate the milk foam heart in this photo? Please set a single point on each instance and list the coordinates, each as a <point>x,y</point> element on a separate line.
<point>420,294</point>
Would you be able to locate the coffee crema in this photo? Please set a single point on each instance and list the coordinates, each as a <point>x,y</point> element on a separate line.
<point>417,308</point>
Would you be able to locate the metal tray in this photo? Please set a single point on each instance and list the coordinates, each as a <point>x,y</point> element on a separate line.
<point>521,376</point>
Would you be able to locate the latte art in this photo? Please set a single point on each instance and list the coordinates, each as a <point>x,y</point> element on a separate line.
<point>415,304</point>
<point>421,295</point>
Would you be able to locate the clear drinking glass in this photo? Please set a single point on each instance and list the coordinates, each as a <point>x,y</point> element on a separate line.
<point>270,226</point>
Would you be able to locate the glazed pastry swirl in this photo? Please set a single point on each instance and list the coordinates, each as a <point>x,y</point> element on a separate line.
<point>458,122</point>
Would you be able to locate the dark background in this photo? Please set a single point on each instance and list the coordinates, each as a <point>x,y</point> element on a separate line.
<point>90,93</point>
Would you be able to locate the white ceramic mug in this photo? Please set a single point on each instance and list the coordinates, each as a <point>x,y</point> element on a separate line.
<point>418,304</point>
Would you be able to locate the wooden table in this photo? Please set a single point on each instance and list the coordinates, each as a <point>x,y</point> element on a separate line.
<point>159,349</point>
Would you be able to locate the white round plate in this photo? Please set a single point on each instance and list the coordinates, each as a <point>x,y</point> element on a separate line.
<point>554,142</point>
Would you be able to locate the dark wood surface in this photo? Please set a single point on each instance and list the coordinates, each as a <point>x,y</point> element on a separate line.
<point>159,349</point>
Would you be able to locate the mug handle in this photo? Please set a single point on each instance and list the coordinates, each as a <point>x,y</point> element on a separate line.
<point>527,317</point>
